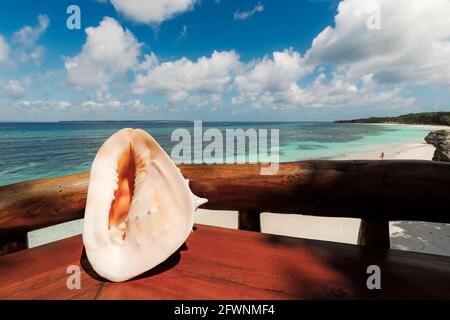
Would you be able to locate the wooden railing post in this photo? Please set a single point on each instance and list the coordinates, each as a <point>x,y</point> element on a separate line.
<point>374,234</point>
<point>13,243</point>
<point>249,220</point>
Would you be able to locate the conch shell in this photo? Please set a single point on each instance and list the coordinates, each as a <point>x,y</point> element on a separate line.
<point>139,208</point>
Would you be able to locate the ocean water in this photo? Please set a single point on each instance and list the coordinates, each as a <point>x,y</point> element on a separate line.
<point>42,150</point>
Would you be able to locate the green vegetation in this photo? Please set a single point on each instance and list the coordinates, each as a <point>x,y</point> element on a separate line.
<point>442,133</point>
<point>433,118</point>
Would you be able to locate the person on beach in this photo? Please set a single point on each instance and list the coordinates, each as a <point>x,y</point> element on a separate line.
<point>382,156</point>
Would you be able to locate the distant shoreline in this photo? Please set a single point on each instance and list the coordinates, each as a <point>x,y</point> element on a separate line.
<point>441,118</point>
<point>421,126</point>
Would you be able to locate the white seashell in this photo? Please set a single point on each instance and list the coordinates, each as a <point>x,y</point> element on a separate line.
<point>198,201</point>
<point>139,208</point>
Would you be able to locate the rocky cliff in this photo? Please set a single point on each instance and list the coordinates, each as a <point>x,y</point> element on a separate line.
<point>441,140</point>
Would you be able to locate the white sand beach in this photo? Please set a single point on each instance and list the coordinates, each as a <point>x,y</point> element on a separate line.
<point>405,235</point>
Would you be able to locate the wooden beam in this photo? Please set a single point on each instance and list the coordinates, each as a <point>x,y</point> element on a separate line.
<point>249,220</point>
<point>374,234</point>
<point>377,190</point>
<point>31,205</point>
<point>13,244</point>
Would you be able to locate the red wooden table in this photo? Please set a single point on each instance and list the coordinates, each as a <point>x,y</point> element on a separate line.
<point>217,263</point>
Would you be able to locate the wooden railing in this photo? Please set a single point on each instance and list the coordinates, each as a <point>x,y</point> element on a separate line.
<point>375,191</point>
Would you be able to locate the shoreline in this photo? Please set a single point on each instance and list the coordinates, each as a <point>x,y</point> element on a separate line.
<point>414,150</point>
<point>408,151</point>
<point>431,127</point>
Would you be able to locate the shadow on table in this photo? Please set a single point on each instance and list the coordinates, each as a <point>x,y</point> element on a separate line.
<point>170,263</point>
<point>328,270</point>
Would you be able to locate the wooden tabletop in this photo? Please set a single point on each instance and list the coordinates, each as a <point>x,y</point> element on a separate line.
<point>218,263</point>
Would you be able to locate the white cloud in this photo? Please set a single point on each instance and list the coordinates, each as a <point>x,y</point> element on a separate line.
<point>102,93</point>
<point>350,65</point>
<point>27,36</point>
<point>4,49</point>
<point>63,105</point>
<point>48,105</point>
<point>112,104</point>
<point>412,45</point>
<point>117,105</point>
<point>110,51</point>
<point>34,55</point>
<point>16,89</point>
<point>150,61</point>
<point>274,83</point>
<point>274,74</point>
<point>367,67</point>
<point>180,77</point>
<point>86,106</point>
<point>152,11</point>
<point>212,101</point>
<point>338,92</point>
<point>183,33</point>
<point>244,15</point>
<point>270,82</point>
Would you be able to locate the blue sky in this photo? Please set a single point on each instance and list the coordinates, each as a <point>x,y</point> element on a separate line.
<point>223,59</point>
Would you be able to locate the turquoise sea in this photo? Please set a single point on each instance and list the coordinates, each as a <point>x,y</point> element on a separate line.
<point>41,150</point>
